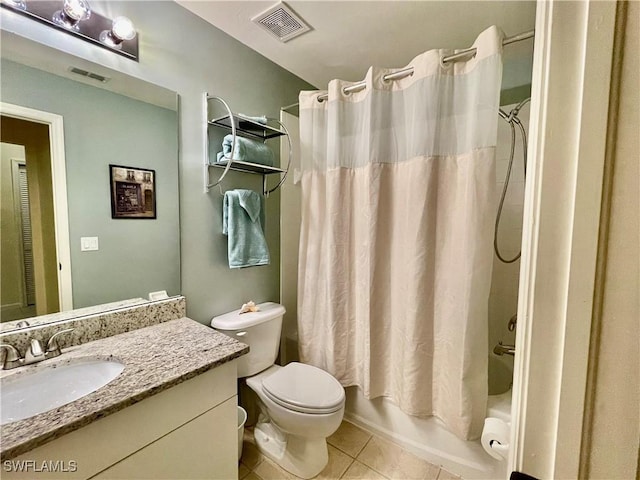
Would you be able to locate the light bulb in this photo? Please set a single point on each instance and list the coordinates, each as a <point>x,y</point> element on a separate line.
<point>19,4</point>
<point>121,29</point>
<point>73,12</point>
<point>77,9</point>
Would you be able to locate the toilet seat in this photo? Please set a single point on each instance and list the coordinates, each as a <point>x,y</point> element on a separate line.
<point>305,389</point>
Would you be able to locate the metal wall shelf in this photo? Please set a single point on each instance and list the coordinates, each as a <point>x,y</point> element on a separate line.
<point>247,127</point>
<point>239,125</point>
<point>248,167</point>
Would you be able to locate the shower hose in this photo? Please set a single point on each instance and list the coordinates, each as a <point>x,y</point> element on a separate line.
<point>512,119</point>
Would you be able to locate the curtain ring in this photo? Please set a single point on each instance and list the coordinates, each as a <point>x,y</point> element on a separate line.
<point>445,65</point>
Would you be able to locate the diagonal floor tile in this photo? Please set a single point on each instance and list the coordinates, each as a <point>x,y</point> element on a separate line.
<point>269,470</point>
<point>337,465</point>
<point>395,463</point>
<point>251,456</point>
<point>349,438</point>
<point>243,471</point>
<point>359,471</point>
<point>445,475</point>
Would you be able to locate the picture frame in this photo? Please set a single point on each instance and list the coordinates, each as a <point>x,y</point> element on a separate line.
<point>133,192</point>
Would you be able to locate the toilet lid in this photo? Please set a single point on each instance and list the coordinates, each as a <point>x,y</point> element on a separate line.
<point>304,388</point>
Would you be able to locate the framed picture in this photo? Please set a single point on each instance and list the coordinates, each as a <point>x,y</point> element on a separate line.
<point>133,192</point>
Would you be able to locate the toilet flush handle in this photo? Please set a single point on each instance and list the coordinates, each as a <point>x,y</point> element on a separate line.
<point>241,333</point>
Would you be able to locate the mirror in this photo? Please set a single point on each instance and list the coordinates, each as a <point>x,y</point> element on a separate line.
<point>116,121</point>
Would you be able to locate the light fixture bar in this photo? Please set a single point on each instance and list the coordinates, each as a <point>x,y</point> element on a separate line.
<point>89,30</point>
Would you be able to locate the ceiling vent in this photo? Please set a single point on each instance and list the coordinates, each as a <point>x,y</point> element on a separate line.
<point>281,22</point>
<point>85,73</point>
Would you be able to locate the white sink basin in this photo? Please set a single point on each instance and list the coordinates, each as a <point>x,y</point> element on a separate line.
<point>49,387</point>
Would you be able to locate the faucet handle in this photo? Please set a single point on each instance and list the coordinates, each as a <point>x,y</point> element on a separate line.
<point>501,349</point>
<point>53,348</point>
<point>12,358</point>
<point>12,353</point>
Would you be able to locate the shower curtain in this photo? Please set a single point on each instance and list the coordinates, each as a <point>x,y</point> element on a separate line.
<point>396,238</point>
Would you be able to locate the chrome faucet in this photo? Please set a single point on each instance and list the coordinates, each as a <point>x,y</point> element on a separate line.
<point>501,349</point>
<point>34,353</point>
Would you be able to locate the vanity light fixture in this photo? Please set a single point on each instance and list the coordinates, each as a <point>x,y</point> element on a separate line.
<point>76,18</point>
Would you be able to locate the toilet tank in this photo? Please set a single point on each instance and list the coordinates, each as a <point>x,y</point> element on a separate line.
<point>260,330</point>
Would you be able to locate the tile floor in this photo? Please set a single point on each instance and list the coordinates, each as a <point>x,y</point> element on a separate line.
<point>353,454</point>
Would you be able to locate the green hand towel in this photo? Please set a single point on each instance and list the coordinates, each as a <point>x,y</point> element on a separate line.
<point>247,150</point>
<point>242,220</point>
<point>261,119</point>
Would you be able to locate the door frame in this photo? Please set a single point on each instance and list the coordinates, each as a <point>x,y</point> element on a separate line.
<point>568,130</point>
<point>59,180</point>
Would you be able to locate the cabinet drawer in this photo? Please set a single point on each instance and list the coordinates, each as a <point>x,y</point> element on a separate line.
<point>199,449</point>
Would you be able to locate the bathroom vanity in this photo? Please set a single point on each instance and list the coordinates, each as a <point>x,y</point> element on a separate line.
<point>170,413</point>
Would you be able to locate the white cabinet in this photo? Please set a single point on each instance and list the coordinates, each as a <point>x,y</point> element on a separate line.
<point>187,431</point>
<point>195,450</point>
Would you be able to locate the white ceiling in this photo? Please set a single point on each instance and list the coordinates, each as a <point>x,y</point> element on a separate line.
<point>350,36</point>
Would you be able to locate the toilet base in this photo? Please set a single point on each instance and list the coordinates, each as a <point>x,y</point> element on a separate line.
<point>302,456</point>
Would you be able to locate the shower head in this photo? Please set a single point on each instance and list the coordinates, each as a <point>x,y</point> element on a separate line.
<point>515,111</point>
<point>512,116</point>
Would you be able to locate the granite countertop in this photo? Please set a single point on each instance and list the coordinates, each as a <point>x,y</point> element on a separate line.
<point>71,314</point>
<point>155,358</point>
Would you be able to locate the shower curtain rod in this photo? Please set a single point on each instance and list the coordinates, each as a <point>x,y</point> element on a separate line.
<point>356,87</point>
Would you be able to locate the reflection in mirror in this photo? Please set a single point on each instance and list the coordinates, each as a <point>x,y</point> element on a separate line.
<point>10,325</point>
<point>123,121</point>
<point>29,261</point>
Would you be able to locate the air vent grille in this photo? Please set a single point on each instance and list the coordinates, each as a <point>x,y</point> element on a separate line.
<point>282,22</point>
<point>87,74</point>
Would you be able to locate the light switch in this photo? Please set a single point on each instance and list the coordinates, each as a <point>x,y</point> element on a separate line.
<point>88,244</point>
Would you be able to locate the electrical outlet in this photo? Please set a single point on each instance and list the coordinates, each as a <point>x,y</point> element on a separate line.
<point>88,244</point>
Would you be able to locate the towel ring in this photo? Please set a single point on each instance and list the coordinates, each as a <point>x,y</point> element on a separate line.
<point>284,176</point>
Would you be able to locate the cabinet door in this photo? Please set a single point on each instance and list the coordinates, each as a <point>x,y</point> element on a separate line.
<point>205,447</point>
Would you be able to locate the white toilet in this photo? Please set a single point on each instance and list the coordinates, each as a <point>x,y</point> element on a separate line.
<point>300,405</point>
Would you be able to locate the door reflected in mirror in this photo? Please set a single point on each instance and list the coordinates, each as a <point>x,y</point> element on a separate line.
<point>29,284</point>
